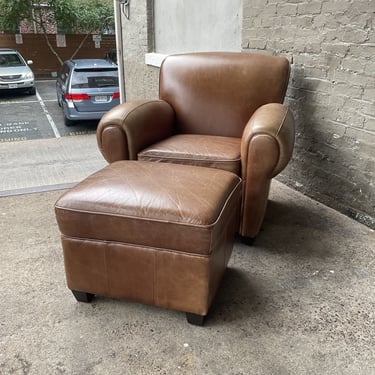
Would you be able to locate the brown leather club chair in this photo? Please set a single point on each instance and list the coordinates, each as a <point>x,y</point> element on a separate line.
<point>215,109</point>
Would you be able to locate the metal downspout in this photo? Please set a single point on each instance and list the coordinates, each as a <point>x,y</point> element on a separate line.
<point>118,4</point>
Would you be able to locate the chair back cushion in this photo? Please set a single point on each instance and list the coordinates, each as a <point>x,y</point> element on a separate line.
<point>215,93</point>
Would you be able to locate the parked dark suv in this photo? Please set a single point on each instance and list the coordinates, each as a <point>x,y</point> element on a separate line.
<point>15,73</point>
<point>86,89</point>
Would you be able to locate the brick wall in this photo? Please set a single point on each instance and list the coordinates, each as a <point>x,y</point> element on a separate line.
<point>331,45</point>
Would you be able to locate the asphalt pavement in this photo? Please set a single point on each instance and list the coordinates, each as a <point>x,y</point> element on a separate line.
<point>25,117</point>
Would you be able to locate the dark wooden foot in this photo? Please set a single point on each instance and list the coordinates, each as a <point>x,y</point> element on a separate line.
<point>248,240</point>
<point>195,319</point>
<point>82,296</point>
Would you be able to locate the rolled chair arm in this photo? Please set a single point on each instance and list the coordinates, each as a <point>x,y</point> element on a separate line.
<point>266,148</point>
<point>130,127</point>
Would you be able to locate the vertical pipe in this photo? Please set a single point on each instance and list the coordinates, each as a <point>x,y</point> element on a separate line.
<point>119,48</point>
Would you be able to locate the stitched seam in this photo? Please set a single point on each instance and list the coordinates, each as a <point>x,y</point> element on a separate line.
<point>145,247</point>
<point>282,122</point>
<point>155,286</point>
<point>190,159</point>
<point>106,267</point>
<point>144,218</point>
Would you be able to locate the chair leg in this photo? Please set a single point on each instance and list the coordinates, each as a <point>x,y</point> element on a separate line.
<point>195,319</point>
<point>248,240</point>
<point>82,296</point>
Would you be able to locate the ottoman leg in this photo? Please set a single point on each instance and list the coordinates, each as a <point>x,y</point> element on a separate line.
<point>195,319</point>
<point>82,296</point>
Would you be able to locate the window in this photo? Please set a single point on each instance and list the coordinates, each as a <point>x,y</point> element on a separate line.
<point>94,78</point>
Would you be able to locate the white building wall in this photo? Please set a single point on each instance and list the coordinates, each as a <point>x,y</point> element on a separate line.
<point>184,26</point>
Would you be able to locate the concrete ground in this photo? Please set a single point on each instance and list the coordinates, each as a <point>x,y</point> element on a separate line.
<point>46,164</point>
<point>300,301</point>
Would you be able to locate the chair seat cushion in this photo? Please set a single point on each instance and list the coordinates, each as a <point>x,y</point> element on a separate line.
<point>198,150</point>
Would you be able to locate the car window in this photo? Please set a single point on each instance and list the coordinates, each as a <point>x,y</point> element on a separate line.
<point>89,78</point>
<point>10,59</point>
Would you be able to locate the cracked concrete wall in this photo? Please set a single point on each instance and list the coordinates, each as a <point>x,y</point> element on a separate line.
<point>331,45</point>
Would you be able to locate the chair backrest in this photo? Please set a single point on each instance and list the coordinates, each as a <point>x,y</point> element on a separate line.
<point>216,93</point>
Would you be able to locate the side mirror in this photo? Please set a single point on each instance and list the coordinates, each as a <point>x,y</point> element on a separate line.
<point>29,62</point>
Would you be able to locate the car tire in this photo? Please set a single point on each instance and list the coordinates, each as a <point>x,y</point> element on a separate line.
<point>68,122</point>
<point>32,91</point>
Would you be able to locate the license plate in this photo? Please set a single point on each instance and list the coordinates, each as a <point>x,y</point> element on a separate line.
<point>12,85</point>
<point>101,98</point>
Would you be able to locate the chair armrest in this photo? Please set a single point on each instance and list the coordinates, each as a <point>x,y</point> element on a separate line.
<point>130,127</point>
<point>266,148</point>
<point>268,140</point>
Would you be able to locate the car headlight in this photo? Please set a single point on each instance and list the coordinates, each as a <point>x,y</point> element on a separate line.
<point>29,75</point>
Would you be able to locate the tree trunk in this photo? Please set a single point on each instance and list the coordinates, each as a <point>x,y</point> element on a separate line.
<point>80,45</point>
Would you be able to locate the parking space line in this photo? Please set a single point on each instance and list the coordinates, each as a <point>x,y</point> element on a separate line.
<point>49,117</point>
<point>6,102</point>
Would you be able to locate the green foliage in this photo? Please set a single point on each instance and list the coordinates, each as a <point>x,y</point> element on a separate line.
<point>71,16</point>
<point>94,15</point>
<point>65,14</point>
<point>13,12</point>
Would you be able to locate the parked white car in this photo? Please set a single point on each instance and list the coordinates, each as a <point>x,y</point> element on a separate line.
<point>15,73</point>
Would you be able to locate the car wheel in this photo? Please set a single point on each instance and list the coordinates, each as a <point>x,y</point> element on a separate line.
<point>32,91</point>
<point>68,122</point>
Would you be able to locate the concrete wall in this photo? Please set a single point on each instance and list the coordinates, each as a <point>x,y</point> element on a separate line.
<point>331,45</point>
<point>190,26</point>
<point>197,25</point>
<point>141,80</point>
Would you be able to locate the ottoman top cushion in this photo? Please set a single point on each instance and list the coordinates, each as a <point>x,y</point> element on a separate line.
<point>133,194</point>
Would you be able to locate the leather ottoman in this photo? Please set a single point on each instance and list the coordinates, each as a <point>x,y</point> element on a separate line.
<point>155,233</point>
